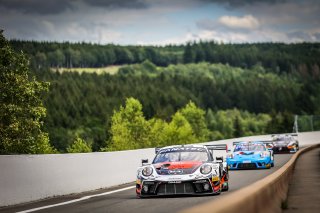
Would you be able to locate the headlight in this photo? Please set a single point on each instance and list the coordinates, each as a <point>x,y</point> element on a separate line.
<point>265,154</point>
<point>147,171</point>
<point>205,169</point>
<point>291,143</point>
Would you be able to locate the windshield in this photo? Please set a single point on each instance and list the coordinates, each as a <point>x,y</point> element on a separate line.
<point>283,139</point>
<point>181,156</point>
<point>249,147</point>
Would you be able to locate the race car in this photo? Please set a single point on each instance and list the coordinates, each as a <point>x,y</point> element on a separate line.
<point>183,170</point>
<point>284,143</point>
<point>250,155</point>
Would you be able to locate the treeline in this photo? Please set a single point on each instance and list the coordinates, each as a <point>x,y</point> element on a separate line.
<point>81,105</point>
<point>274,57</point>
<point>54,54</point>
<point>300,58</point>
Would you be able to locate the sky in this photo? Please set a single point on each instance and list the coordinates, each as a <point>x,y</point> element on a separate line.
<point>161,22</point>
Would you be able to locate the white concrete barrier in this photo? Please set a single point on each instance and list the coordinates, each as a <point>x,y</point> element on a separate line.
<point>25,178</point>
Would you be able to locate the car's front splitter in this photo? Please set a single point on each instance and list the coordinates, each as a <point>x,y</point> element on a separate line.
<point>175,188</point>
<point>249,164</point>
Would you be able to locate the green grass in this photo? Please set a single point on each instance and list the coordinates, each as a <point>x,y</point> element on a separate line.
<point>100,70</point>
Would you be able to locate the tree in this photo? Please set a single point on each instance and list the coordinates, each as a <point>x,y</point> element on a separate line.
<point>21,108</point>
<point>275,124</point>
<point>156,134</point>
<point>238,130</point>
<point>188,55</point>
<point>129,129</point>
<point>41,59</point>
<point>79,146</point>
<point>56,58</point>
<point>178,131</point>
<point>196,118</point>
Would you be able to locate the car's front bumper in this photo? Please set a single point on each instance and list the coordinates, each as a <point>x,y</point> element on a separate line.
<point>249,164</point>
<point>285,149</point>
<point>149,188</point>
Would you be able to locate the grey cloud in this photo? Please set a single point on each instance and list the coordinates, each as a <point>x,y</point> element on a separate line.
<point>207,24</point>
<point>303,36</point>
<point>48,7</point>
<point>239,3</point>
<point>299,34</point>
<point>317,36</point>
<point>37,6</point>
<point>214,25</point>
<point>134,4</point>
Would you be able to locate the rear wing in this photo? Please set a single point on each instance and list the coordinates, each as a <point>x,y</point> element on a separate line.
<point>214,147</point>
<point>267,142</point>
<point>217,147</point>
<point>237,142</point>
<point>288,134</point>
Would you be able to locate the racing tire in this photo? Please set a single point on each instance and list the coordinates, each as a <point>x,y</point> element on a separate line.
<point>226,188</point>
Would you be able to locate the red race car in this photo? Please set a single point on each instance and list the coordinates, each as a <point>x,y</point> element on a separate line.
<point>183,170</point>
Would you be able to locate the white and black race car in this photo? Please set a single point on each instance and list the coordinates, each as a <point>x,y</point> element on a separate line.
<point>283,143</point>
<point>183,170</point>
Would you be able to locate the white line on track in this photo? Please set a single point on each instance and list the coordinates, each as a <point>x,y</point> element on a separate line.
<point>76,200</point>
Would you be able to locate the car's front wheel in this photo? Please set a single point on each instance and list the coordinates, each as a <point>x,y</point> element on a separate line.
<point>225,187</point>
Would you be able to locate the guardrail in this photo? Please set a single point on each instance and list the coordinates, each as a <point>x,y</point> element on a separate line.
<point>266,195</point>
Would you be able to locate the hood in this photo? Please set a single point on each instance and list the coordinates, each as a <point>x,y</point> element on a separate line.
<point>281,143</point>
<point>246,154</point>
<point>177,168</point>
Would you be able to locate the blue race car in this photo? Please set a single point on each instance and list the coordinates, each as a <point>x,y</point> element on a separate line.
<point>250,155</point>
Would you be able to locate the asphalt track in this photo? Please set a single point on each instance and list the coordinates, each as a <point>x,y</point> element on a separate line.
<point>126,201</point>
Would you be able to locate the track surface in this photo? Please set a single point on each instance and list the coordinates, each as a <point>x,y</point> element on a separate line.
<point>127,202</point>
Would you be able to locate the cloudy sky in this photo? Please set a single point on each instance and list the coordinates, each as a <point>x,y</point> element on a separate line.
<point>161,22</point>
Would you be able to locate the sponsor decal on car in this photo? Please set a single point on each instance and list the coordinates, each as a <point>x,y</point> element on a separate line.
<point>174,181</point>
<point>215,178</point>
<point>175,172</point>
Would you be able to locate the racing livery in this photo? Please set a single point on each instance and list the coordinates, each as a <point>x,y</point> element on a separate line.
<point>250,155</point>
<point>183,170</point>
<point>284,143</point>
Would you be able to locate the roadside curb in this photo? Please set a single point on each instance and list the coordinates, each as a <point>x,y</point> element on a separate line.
<point>265,195</point>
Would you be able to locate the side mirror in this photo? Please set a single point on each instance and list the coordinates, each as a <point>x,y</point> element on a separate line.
<point>144,161</point>
<point>220,158</point>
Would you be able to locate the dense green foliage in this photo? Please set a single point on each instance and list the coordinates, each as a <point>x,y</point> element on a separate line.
<point>79,146</point>
<point>67,54</point>
<point>21,108</point>
<point>130,130</point>
<point>83,104</point>
<point>300,58</point>
<point>234,89</point>
<point>234,123</point>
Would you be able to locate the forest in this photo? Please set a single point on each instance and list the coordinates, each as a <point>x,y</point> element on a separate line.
<point>236,90</point>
